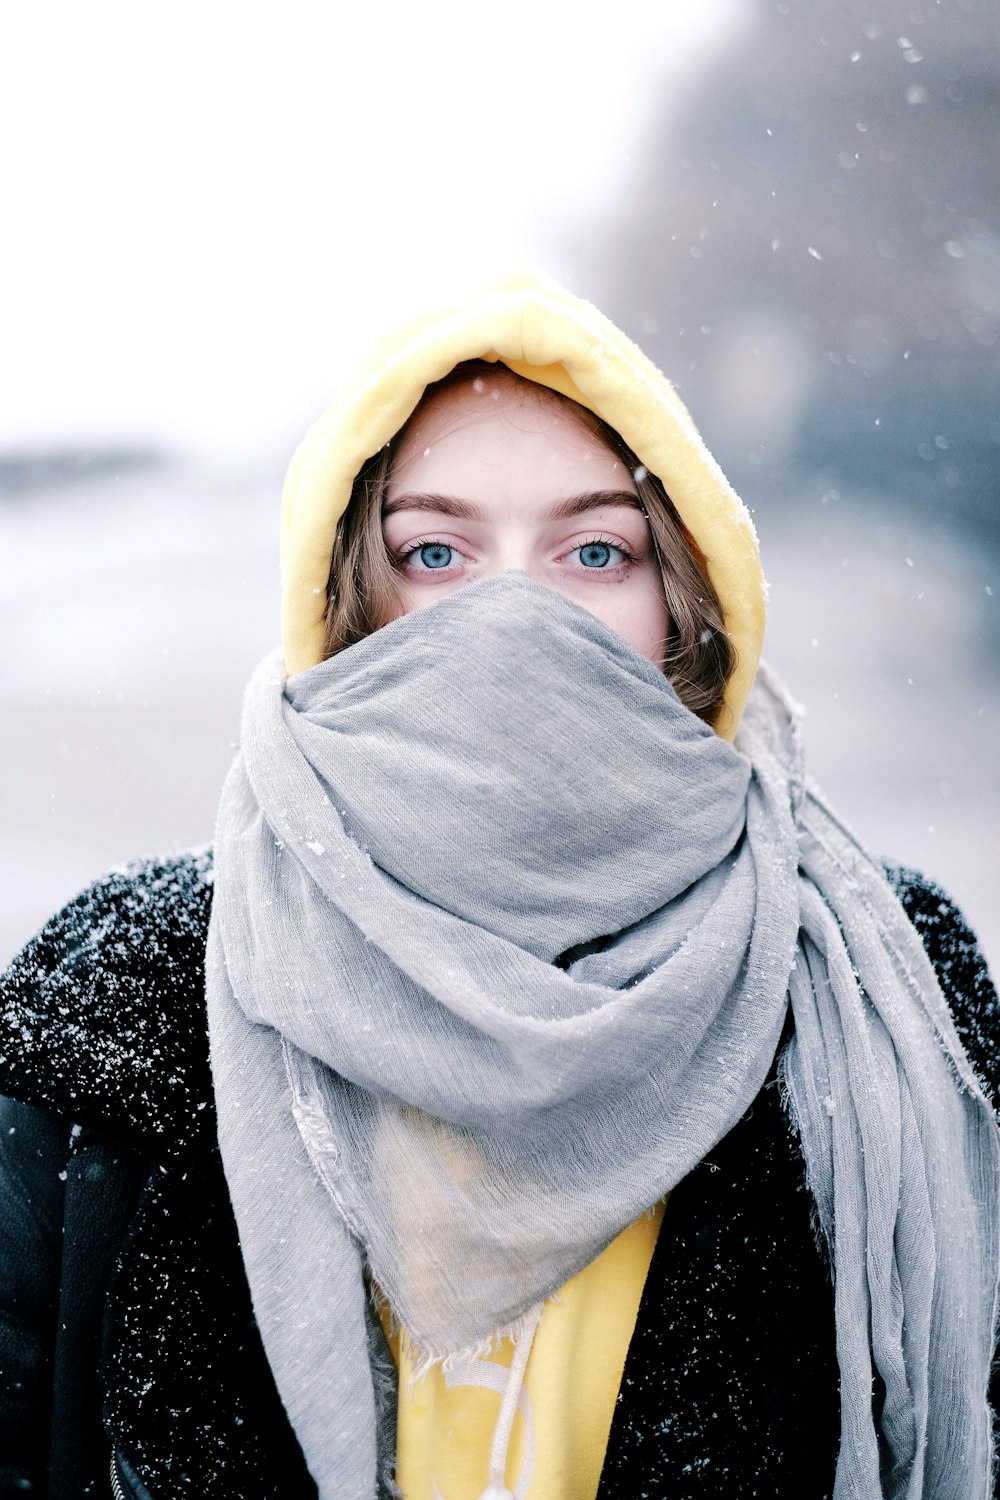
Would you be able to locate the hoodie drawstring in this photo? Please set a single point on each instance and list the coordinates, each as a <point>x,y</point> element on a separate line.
<point>496,1485</point>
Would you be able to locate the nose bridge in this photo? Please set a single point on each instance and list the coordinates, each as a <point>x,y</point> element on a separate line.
<point>517,550</point>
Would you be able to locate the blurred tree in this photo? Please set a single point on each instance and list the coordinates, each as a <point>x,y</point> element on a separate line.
<point>810,244</point>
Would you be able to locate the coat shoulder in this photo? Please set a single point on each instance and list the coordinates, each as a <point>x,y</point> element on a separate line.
<point>102,1014</point>
<point>961,969</point>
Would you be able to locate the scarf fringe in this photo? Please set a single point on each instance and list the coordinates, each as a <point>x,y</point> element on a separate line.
<point>424,1355</point>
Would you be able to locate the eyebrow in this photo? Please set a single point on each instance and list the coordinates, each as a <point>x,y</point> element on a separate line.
<point>465,510</point>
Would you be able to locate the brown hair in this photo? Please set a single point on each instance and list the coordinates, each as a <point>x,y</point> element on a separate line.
<point>363,592</point>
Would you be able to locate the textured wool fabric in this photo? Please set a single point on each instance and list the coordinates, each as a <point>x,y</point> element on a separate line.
<point>502,944</point>
<point>545,334</point>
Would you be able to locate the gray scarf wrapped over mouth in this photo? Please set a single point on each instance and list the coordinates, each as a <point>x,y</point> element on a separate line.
<point>502,945</point>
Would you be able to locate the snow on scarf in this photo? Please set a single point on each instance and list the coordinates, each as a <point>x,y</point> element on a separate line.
<point>502,943</point>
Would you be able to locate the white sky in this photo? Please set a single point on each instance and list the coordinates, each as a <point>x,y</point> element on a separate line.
<point>205,204</point>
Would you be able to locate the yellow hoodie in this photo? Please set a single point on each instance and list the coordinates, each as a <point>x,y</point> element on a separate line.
<point>567,1392</point>
<point>547,335</point>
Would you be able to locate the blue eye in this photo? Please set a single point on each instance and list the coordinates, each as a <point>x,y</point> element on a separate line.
<point>435,554</point>
<point>596,554</point>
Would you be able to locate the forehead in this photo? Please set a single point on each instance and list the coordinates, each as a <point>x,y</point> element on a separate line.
<point>503,441</point>
<point>495,392</point>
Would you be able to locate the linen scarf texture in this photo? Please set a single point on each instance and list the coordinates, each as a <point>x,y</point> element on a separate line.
<point>502,944</point>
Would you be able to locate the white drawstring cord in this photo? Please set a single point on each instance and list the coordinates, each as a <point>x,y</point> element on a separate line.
<point>496,1486</point>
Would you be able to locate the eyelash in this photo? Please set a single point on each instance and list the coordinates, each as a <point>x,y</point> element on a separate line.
<point>599,538</point>
<point>421,541</point>
<point>606,541</point>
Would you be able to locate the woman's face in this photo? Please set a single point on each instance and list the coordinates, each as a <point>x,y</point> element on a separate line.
<point>490,476</point>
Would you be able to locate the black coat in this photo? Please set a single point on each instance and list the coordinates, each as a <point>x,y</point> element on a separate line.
<point>125,1319</point>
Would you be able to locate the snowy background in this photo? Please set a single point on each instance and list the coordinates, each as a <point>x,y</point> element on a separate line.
<point>209,207</point>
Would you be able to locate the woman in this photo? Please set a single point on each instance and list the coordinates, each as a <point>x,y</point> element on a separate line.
<point>512,958</point>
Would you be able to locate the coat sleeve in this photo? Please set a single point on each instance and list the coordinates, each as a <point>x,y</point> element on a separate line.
<point>102,1022</point>
<point>33,1153</point>
<point>102,1014</point>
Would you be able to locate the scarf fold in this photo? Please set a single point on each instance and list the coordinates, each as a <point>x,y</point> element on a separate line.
<point>502,944</point>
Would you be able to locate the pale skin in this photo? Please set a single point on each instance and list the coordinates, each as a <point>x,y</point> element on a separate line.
<point>490,477</point>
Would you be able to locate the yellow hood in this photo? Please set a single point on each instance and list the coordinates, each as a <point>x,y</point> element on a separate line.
<point>547,335</point>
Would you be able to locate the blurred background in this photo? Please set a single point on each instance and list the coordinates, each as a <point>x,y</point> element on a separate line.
<point>793,205</point>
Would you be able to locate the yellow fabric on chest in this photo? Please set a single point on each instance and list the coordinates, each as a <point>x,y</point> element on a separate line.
<point>560,1435</point>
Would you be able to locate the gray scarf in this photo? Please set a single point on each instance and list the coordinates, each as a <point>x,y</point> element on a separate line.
<point>502,944</point>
